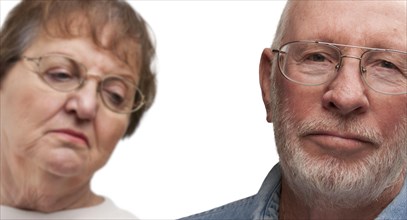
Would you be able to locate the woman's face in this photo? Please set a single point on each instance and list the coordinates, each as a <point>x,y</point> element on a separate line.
<point>66,134</point>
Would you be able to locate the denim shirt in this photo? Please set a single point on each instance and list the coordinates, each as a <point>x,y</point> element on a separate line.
<point>265,204</point>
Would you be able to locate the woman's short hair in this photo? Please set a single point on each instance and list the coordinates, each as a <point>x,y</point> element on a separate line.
<point>130,40</point>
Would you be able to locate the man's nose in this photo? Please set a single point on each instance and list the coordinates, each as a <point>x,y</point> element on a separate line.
<point>346,94</point>
<point>84,101</point>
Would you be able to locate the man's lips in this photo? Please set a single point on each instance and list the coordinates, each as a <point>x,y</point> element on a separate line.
<point>340,141</point>
<point>72,135</point>
<point>343,135</point>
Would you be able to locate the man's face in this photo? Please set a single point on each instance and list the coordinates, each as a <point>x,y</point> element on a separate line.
<point>341,141</point>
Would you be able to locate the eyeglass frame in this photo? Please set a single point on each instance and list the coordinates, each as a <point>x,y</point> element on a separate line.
<point>99,79</point>
<point>336,46</point>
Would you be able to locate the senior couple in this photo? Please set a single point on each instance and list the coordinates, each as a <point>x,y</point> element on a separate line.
<point>76,78</point>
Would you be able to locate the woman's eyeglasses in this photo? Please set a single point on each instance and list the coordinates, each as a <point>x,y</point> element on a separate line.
<point>65,74</point>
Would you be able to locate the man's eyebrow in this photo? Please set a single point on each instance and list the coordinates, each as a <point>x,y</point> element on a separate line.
<point>384,42</point>
<point>389,45</point>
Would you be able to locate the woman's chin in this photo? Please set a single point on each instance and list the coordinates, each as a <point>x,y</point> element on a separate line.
<point>64,162</point>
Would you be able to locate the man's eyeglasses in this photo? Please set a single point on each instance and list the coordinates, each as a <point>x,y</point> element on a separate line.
<point>314,63</point>
<point>65,74</point>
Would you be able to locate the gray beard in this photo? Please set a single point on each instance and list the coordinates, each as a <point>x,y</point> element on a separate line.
<point>327,181</point>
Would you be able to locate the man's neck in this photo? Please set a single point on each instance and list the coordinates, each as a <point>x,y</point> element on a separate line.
<point>292,207</point>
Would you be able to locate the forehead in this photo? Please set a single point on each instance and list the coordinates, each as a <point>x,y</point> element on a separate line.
<point>380,24</point>
<point>84,51</point>
<point>108,36</point>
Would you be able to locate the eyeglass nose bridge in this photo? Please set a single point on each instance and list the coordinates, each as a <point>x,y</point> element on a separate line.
<point>340,64</point>
<point>86,78</point>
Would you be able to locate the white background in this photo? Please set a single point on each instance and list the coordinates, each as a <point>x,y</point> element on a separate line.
<point>205,142</point>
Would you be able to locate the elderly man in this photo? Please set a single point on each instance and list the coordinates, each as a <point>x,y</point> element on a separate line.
<point>334,85</point>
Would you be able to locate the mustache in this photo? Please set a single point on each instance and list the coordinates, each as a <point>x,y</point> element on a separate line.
<point>352,127</point>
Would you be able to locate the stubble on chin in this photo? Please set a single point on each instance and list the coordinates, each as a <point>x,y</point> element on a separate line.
<point>327,181</point>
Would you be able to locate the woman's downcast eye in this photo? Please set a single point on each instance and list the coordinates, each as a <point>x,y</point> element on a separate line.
<point>64,74</point>
<point>59,75</point>
<point>60,70</point>
<point>114,98</point>
<point>115,92</point>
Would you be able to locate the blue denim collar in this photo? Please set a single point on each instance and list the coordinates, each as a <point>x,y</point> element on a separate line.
<point>265,204</point>
<point>397,209</point>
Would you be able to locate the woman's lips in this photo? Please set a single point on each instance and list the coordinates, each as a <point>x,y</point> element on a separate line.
<point>72,136</point>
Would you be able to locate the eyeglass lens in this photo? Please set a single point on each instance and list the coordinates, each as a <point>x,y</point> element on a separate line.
<point>65,74</point>
<point>312,63</point>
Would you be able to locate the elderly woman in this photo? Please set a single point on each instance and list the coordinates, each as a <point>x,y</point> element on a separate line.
<point>75,79</point>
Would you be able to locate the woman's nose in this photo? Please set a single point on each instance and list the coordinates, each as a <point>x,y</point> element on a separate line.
<point>346,94</point>
<point>83,102</point>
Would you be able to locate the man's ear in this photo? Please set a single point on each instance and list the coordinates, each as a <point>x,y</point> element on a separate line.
<point>265,80</point>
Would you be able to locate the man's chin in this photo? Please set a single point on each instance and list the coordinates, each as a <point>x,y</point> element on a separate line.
<point>331,182</point>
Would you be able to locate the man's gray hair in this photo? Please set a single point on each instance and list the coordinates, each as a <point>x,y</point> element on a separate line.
<point>284,23</point>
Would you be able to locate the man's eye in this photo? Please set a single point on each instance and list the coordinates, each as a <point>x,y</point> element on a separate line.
<point>387,64</point>
<point>316,57</point>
